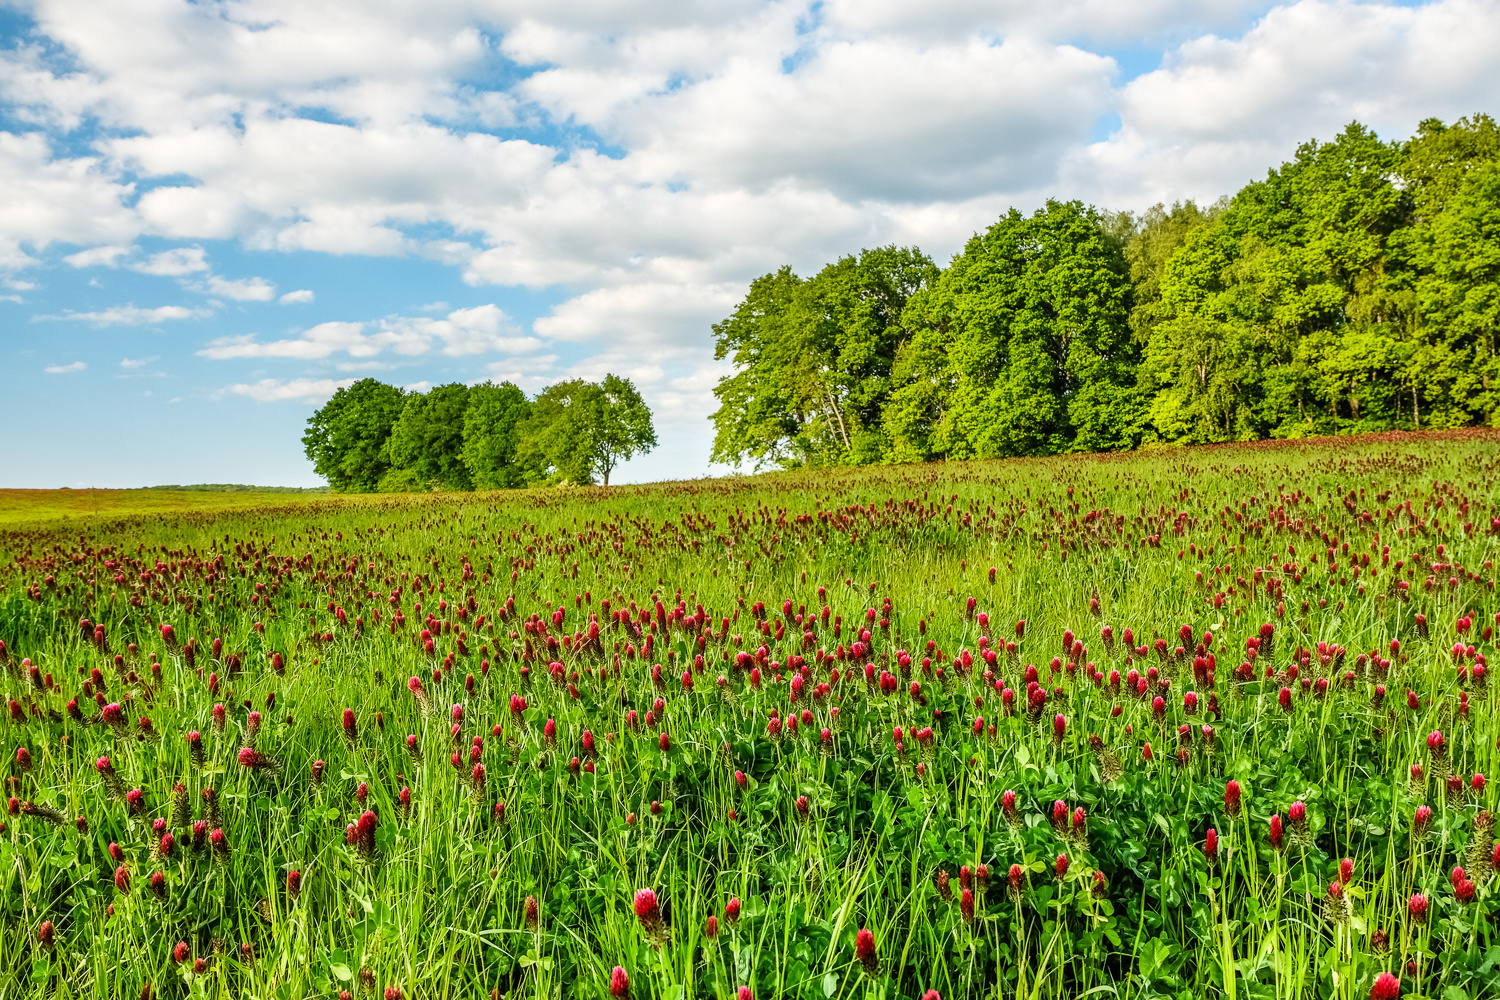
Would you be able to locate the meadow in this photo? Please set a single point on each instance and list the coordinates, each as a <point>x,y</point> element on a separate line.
<point>27,506</point>
<point>1208,722</point>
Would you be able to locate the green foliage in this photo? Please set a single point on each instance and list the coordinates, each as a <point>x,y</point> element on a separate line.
<point>428,439</point>
<point>1353,289</point>
<point>577,432</point>
<point>456,437</point>
<point>347,438</point>
<point>1459,293</point>
<point>815,361</point>
<point>490,436</point>
<point>1021,346</point>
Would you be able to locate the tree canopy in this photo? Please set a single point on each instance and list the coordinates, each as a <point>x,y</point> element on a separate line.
<point>347,439</point>
<point>578,431</point>
<point>1354,288</point>
<point>375,437</point>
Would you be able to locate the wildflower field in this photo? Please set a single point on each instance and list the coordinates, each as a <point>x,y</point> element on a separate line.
<point>1192,723</point>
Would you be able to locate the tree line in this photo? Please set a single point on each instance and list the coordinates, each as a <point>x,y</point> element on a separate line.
<point>373,437</point>
<point>1356,288</point>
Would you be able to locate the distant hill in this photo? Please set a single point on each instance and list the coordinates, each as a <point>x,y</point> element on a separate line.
<point>238,488</point>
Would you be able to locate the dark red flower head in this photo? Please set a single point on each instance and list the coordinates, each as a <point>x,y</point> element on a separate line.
<point>1422,818</point>
<point>647,910</point>
<point>1387,987</point>
<point>1232,798</point>
<point>864,951</point>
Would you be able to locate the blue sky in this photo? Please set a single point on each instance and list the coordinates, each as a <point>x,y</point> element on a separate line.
<point>213,214</point>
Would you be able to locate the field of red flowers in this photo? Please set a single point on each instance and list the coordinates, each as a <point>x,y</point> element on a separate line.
<point>1202,723</point>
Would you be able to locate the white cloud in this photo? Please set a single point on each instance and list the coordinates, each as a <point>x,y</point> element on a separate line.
<point>479,330</point>
<point>45,199</point>
<point>644,315</point>
<point>300,295</point>
<point>130,315</point>
<point>531,373</point>
<point>129,364</point>
<point>872,119</point>
<point>105,256</point>
<point>76,366</point>
<point>174,263</point>
<point>1222,110</point>
<point>241,290</point>
<point>306,390</point>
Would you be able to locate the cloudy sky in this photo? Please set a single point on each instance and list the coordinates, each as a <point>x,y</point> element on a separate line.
<point>213,214</point>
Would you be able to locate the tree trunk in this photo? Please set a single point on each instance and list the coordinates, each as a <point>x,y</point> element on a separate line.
<point>839,416</point>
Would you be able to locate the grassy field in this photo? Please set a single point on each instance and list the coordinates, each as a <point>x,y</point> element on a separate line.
<point>26,506</point>
<point>1209,722</point>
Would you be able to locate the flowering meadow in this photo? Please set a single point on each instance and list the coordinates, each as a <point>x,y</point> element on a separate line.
<point>1191,723</point>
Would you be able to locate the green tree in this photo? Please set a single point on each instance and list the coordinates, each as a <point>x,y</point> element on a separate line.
<point>814,361</point>
<point>1437,160</point>
<point>622,427</point>
<point>1284,315</point>
<point>1460,297</point>
<point>490,434</point>
<point>347,437</point>
<point>578,431</point>
<point>1149,243</point>
<point>428,439</point>
<point>1021,346</point>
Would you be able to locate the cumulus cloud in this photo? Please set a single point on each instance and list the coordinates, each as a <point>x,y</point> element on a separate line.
<point>174,263</point>
<point>876,119</point>
<point>479,330</point>
<point>300,295</point>
<point>645,315</point>
<point>1221,110</point>
<point>76,366</point>
<point>241,290</point>
<point>131,315</point>
<point>130,364</point>
<point>305,390</point>
<point>105,256</point>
